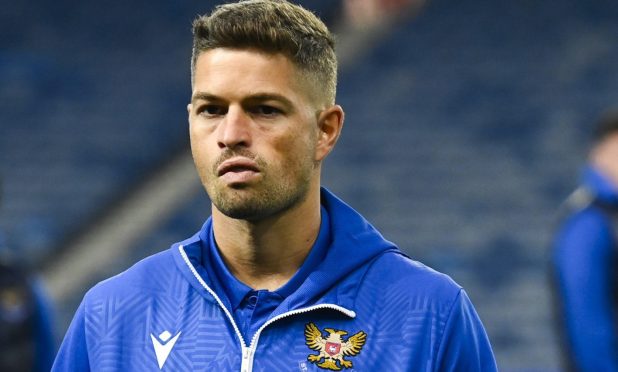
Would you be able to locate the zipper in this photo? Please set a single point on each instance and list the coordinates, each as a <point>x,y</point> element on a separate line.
<point>225,310</point>
<point>248,353</point>
<point>253,346</point>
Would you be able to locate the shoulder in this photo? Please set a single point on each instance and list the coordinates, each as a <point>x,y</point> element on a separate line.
<point>149,275</point>
<point>401,277</point>
<point>590,228</point>
<point>398,267</point>
<point>591,219</point>
<point>430,308</point>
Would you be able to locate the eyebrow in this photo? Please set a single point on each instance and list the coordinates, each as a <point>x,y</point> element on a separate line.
<point>204,96</point>
<point>257,97</point>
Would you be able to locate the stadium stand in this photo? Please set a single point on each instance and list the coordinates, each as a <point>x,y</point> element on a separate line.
<point>89,108</point>
<point>465,128</point>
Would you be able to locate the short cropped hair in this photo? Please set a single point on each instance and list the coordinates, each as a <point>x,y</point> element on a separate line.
<point>272,26</point>
<point>606,126</point>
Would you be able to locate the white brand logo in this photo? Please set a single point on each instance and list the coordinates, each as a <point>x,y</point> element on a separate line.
<point>162,349</point>
<point>302,366</point>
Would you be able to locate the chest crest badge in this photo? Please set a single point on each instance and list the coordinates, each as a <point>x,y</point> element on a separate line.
<point>333,348</point>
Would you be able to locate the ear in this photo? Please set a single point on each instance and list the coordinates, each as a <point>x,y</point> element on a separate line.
<point>189,108</point>
<point>330,123</point>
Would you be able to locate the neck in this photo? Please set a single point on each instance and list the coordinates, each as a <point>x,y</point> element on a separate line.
<point>265,254</point>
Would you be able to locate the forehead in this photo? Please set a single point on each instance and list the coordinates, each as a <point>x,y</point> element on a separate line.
<point>242,71</point>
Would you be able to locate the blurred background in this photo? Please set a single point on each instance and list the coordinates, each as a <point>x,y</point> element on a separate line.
<point>467,124</point>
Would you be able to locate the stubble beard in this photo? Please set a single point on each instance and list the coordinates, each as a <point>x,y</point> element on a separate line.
<point>273,195</point>
<point>258,203</point>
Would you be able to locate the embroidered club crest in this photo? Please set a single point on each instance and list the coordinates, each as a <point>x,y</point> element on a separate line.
<point>333,348</point>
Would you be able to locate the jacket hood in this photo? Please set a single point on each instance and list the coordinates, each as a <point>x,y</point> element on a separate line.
<point>354,244</point>
<point>599,185</point>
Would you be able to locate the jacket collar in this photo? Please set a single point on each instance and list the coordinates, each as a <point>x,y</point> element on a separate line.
<point>599,185</point>
<point>355,243</point>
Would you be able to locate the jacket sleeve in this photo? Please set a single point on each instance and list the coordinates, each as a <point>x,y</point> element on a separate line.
<point>73,353</point>
<point>464,345</point>
<point>583,262</point>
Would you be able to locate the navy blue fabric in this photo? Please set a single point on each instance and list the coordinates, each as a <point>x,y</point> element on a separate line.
<point>27,340</point>
<point>409,317</point>
<point>600,185</point>
<point>585,266</point>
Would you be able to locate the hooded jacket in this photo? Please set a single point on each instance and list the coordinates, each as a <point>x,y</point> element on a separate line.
<point>585,268</point>
<point>366,307</point>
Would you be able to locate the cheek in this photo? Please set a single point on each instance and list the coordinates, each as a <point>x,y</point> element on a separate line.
<point>201,149</point>
<point>196,146</point>
<point>296,151</point>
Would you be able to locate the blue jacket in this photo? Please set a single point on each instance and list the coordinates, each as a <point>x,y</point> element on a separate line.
<point>584,260</point>
<point>367,307</point>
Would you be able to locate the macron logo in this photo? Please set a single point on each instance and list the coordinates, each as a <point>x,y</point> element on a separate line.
<point>164,347</point>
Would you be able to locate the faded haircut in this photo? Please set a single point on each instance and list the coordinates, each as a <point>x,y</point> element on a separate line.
<point>272,26</point>
<point>607,125</point>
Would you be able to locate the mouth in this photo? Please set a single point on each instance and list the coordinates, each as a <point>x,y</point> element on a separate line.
<point>237,166</point>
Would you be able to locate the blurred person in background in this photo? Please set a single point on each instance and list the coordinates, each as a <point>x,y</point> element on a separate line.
<point>376,13</point>
<point>585,259</point>
<point>27,342</point>
<point>283,275</point>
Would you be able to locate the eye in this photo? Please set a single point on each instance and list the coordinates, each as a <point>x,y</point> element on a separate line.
<point>212,110</point>
<point>265,110</point>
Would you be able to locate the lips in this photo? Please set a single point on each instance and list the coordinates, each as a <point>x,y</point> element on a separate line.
<point>237,165</point>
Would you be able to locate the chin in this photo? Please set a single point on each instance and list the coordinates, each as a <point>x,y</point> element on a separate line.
<point>256,206</point>
<point>246,211</point>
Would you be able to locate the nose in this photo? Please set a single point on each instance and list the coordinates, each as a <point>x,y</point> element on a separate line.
<point>234,130</point>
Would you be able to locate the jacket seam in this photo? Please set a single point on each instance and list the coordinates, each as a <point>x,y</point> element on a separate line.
<point>443,330</point>
<point>368,268</point>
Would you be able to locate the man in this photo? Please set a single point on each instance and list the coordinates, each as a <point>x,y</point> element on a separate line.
<point>585,260</point>
<point>26,333</point>
<point>284,276</point>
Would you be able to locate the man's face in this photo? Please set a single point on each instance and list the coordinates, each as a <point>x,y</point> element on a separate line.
<point>253,132</point>
<point>604,157</point>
